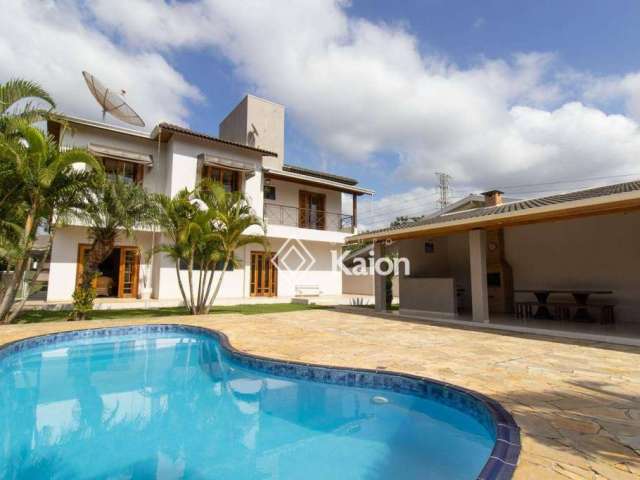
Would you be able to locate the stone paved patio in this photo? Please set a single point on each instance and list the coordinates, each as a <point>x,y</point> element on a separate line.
<point>578,403</point>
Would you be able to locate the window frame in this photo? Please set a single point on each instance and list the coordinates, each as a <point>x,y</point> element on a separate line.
<point>138,169</point>
<point>272,189</point>
<point>208,172</point>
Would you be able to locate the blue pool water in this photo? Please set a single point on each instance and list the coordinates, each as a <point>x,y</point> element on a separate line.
<point>176,405</point>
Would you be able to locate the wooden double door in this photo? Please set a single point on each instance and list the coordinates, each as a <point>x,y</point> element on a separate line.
<point>264,275</point>
<point>120,270</point>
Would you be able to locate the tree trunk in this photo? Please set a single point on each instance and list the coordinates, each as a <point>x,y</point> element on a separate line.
<point>184,295</point>
<point>18,308</point>
<point>201,279</point>
<point>12,290</point>
<point>100,250</point>
<point>10,293</point>
<point>192,305</point>
<point>219,284</point>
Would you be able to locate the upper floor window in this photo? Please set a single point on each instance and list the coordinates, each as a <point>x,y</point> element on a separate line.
<point>269,192</point>
<point>230,179</point>
<point>128,171</point>
<point>311,210</point>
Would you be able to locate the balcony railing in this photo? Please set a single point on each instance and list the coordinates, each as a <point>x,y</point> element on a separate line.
<point>275,214</point>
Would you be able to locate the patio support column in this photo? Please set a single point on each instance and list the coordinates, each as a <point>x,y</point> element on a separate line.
<point>379,280</point>
<point>478,264</point>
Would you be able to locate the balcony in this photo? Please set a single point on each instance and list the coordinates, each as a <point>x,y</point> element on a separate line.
<point>275,214</point>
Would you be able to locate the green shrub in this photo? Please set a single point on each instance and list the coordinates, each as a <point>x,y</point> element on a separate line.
<point>82,302</point>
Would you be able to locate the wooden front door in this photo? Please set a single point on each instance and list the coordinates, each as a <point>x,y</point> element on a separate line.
<point>264,275</point>
<point>127,270</point>
<point>129,263</point>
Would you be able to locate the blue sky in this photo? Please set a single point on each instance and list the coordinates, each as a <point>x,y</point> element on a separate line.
<point>512,94</point>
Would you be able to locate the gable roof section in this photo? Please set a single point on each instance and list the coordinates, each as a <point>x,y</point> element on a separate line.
<point>606,199</point>
<point>205,136</point>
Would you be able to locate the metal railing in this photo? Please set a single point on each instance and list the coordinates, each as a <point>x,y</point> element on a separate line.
<point>307,218</point>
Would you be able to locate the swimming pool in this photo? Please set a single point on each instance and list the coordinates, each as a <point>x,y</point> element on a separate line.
<point>177,402</point>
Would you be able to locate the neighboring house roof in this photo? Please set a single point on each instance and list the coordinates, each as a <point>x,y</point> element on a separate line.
<point>204,136</point>
<point>315,173</point>
<point>606,199</point>
<point>316,181</point>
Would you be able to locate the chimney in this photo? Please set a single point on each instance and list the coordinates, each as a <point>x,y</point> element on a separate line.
<point>492,198</point>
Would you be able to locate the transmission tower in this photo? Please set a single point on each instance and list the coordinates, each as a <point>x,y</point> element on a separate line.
<point>443,189</point>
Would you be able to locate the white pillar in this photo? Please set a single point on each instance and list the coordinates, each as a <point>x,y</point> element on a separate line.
<point>379,280</point>
<point>478,264</point>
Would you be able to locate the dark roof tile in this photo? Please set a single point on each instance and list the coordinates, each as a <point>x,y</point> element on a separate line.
<point>186,131</point>
<point>520,205</point>
<point>316,173</point>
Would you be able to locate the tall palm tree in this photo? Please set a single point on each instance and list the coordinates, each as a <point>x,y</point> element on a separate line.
<point>113,207</point>
<point>234,217</point>
<point>205,226</point>
<point>38,175</point>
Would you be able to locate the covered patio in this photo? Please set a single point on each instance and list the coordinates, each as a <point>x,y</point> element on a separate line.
<point>564,265</point>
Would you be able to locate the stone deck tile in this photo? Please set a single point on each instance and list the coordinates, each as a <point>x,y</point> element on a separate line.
<point>577,403</point>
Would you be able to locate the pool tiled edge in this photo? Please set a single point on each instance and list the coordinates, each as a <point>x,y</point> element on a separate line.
<point>503,458</point>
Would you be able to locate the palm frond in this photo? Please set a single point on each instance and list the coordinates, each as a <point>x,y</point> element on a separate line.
<point>15,90</point>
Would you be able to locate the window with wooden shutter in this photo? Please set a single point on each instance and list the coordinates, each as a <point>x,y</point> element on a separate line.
<point>230,179</point>
<point>127,171</point>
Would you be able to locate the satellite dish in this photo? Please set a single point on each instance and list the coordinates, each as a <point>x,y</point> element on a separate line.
<point>111,102</point>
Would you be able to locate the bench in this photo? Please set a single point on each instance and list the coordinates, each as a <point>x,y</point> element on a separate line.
<point>307,290</point>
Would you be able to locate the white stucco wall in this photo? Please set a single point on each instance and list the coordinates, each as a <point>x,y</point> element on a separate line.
<point>321,272</point>
<point>64,259</point>
<point>600,252</point>
<point>80,136</point>
<point>287,193</point>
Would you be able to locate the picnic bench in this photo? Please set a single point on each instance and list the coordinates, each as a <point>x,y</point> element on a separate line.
<point>578,310</point>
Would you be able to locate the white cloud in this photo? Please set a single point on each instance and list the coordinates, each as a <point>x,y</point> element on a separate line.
<point>52,42</point>
<point>359,87</point>
<point>625,88</point>
<point>355,87</point>
<point>379,212</point>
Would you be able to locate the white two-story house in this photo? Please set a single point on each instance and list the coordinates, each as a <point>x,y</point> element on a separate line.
<point>301,206</point>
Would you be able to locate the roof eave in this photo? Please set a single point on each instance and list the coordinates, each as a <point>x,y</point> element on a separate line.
<point>579,208</point>
<point>317,181</point>
<point>175,129</point>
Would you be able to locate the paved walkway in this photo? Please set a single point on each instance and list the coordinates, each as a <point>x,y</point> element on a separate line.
<point>578,403</point>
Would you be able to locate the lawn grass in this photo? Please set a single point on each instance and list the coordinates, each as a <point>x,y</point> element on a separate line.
<point>37,316</point>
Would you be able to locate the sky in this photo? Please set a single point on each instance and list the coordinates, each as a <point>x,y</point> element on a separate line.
<point>528,96</point>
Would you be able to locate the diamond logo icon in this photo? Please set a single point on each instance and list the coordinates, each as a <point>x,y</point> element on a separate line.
<point>293,257</point>
<point>291,260</point>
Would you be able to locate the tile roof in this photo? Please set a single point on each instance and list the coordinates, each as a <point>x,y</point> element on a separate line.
<point>186,131</point>
<point>319,174</point>
<point>519,205</point>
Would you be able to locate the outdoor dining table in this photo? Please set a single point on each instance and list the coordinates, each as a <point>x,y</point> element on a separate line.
<point>580,296</point>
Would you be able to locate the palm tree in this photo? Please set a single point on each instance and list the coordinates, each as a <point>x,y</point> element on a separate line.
<point>205,226</point>
<point>39,180</point>
<point>112,208</point>
<point>234,217</point>
<point>17,90</point>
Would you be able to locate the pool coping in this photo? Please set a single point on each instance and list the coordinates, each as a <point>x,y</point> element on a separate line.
<point>502,460</point>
